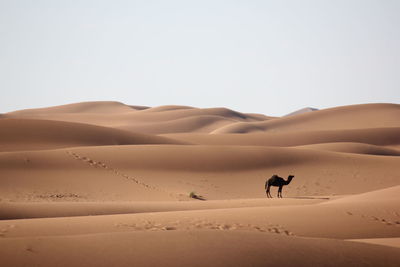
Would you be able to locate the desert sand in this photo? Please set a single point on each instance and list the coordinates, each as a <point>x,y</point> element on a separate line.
<point>110,184</point>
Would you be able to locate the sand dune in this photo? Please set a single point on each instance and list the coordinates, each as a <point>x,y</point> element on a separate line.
<point>195,249</point>
<point>156,120</point>
<point>25,134</point>
<point>84,107</point>
<point>83,185</point>
<point>386,194</point>
<point>171,172</point>
<point>347,117</point>
<point>301,111</point>
<point>201,123</point>
<point>165,113</point>
<point>335,220</point>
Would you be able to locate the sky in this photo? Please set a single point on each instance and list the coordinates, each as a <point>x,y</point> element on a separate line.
<point>270,57</point>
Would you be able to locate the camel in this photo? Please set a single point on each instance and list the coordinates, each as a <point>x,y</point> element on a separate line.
<point>275,180</point>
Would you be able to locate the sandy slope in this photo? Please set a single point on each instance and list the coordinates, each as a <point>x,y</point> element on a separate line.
<point>78,190</point>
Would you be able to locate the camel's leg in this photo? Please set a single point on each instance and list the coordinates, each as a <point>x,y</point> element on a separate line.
<point>268,192</point>
<point>280,192</point>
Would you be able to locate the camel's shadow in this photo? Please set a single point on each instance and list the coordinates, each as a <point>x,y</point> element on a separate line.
<point>325,198</point>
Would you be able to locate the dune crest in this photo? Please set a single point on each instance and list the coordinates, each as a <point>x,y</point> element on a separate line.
<point>301,111</point>
<point>89,107</point>
<point>149,120</point>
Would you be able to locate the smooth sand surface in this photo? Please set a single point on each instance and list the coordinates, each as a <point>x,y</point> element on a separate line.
<point>109,184</point>
<point>192,248</point>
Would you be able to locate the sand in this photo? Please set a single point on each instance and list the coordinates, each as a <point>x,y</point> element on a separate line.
<point>109,184</point>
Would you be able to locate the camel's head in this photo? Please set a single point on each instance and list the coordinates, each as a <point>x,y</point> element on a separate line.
<point>291,177</point>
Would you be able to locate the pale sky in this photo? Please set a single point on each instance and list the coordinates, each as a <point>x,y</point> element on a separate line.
<point>270,57</point>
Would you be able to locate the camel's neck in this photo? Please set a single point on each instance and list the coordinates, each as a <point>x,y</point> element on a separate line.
<point>288,180</point>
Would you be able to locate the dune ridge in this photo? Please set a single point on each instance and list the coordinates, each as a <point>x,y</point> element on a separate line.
<point>301,111</point>
<point>89,107</point>
<point>346,117</point>
<point>29,134</point>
